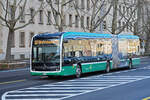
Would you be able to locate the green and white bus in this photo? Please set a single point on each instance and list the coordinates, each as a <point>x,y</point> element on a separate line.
<point>76,53</point>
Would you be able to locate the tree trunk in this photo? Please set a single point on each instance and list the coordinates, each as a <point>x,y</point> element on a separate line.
<point>147,45</point>
<point>9,45</point>
<point>60,29</point>
<point>114,20</point>
<point>91,30</point>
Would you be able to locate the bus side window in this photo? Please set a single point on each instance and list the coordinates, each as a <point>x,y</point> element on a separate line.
<point>99,47</point>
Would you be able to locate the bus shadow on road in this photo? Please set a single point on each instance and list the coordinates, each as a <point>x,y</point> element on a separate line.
<point>63,78</point>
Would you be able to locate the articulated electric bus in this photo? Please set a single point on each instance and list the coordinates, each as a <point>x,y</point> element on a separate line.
<point>75,53</point>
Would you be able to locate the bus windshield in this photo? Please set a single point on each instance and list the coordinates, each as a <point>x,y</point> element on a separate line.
<point>46,51</point>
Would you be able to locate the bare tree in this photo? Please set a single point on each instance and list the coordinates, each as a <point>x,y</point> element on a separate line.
<point>144,24</point>
<point>11,15</point>
<point>58,8</point>
<point>96,11</point>
<point>123,16</point>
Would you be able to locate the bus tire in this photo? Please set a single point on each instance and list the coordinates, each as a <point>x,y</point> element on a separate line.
<point>78,71</point>
<point>130,64</point>
<point>108,67</point>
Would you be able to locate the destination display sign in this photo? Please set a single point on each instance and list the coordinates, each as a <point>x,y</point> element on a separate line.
<point>40,42</point>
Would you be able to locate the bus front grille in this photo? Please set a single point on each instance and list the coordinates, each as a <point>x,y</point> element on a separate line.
<point>45,67</point>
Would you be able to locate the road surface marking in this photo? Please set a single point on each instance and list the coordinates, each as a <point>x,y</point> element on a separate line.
<point>9,82</point>
<point>70,88</point>
<point>148,98</point>
<point>74,87</point>
<point>48,91</point>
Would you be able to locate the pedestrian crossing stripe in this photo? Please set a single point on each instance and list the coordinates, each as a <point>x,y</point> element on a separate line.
<point>145,67</point>
<point>70,88</point>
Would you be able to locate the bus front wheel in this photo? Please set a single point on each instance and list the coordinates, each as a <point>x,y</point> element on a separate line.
<point>78,71</point>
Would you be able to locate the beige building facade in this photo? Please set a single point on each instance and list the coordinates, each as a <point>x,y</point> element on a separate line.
<point>22,37</point>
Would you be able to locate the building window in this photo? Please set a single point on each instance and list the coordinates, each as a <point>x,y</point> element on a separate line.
<point>131,10</point>
<point>104,25</point>
<point>123,9</point>
<point>12,57</point>
<point>88,4</point>
<point>22,39</point>
<point>82,21</point>
<point>77,3</point>
<point>22,56</point>
<point>70,20</point>
<point>64,20</point>
<point>22,15</point>
<point>88,21</point>
<point>82,4</point>
<point>76,21</point>
<point>123,25</point>
<point>56,17</point>
<point>48,18</point>
<point>120,10</point>
<point>41,17</point>
<point>127,26</point>
<point>32,15</point>
<point>134,13</point>
<point>119,24</point>
<point>127,12</point>
<point>30,38</point>
<point>131,27</point>
<point>11,12</point>
<point>56,2</point>
<point>70,4</point>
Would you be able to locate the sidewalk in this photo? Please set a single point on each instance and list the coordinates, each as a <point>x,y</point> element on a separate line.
<point>14,65</point>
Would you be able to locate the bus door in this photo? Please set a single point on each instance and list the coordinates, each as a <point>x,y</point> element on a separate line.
<point>123,51</point>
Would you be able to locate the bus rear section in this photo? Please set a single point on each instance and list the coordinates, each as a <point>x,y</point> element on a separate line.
<point>125,51</point>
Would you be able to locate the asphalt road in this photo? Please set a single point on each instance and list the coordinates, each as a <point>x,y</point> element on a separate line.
<point>21,78</point>
<point>122,84</point>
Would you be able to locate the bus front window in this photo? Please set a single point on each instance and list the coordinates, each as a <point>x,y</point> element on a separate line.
<point>46,55</point>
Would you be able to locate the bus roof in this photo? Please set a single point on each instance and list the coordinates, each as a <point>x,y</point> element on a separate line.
<point>48,35</point>
<point>128,36</point>
<point>85,35</point>
<point>73,35</point>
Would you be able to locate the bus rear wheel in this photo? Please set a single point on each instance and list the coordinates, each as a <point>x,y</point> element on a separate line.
<point>130,64</point>
<point>108,67</point>
<point>78,71</point>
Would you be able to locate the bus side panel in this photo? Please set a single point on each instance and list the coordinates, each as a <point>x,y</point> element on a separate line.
<point>95,67</point>
<point>86,68</point>
<point>68,70</point>
<point>111,65</point>
<point>99,66</point>
<point>135,61</point>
